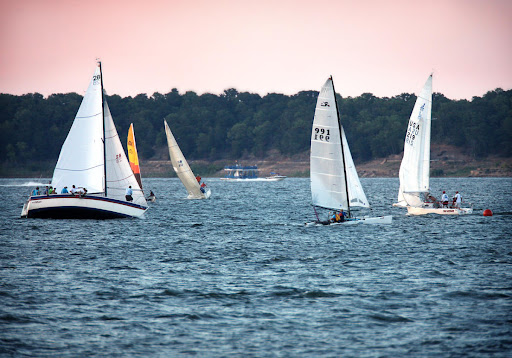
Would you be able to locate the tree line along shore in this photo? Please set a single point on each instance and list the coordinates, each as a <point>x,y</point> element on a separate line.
<point>469,138</point>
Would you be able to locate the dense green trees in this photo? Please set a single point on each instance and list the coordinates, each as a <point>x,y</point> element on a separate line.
<point>234,124</point>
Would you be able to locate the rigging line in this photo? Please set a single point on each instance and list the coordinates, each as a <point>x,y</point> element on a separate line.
<point>104,127</point>
<point>79,170</point>
<point>341,142</point>
<point>94,115</point>
<point>118,180</point>
<point>426,99</point>
<point>116,135</point>
<point>325,158</point>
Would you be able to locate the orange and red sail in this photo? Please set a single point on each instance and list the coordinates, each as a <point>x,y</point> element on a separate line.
<point>133,156</point>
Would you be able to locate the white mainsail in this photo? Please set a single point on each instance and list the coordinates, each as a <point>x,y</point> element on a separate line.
<point>330,166</point>
<point>181,166</point>
<point>80,161</point>
<point>83,160</point>
<point>414,171</point>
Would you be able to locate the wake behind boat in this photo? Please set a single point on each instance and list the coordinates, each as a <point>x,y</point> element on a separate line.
<point>182,169</point>
<point>93,160</point>
<point>335,184</point>
<point>241,173</point>
<point>414,173</point>
<point>275,177</point>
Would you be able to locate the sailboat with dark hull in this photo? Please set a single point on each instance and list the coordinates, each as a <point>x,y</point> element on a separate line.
<point>93,160</point>
<point>335,185</point>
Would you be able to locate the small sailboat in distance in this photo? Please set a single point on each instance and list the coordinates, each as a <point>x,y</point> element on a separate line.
<point>91,160</point>
<point>182,169</point>
<point>335,184</point>
<point>414,173</point>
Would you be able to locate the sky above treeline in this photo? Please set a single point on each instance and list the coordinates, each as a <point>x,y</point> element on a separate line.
<point>260,46</point>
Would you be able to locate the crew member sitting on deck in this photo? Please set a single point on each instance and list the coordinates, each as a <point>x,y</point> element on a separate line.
<point>129,193</point>
<point>342,215</point>
<point>203,186</point>
<point>35,191</point>
<point>64,190</point>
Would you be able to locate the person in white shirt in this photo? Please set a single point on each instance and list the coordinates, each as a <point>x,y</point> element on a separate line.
<point>444,199</point>
<point>458,200</point>
<point>129,193</point>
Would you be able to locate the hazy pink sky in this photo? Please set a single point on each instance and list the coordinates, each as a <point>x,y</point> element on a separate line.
<point>260,46</point>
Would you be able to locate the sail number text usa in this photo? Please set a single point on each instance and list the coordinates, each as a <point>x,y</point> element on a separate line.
<point>322,134</point>
<point>412,132</point>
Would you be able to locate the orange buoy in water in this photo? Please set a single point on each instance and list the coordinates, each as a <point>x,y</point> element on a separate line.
<point>487,212</point>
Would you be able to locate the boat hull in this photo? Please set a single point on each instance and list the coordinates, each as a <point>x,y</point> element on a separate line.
<point>378,220</point>
<point>74,207</point>
<point>205,195</point>
<point>439,211</point>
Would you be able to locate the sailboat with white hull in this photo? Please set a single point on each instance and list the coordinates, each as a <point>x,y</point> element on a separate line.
<point>93,160</point>
<point>182,169</point>
<point>414,171</point>
<point>335,184</point>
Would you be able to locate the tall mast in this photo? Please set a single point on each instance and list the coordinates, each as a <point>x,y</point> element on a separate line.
<point>342,150</point>
<point>104,130</point>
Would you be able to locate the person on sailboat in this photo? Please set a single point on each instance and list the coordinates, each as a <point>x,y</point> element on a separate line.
<point>202,188</point>
<point>64,190</point>
<point>338,217</point>
<point>129,193</point>
<point>444,199</point>
<point>457,199</point>
<point>341,216</point>
<point>35,191</point>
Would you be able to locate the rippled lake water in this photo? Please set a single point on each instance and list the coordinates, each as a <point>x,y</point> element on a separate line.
<point>240,275</point>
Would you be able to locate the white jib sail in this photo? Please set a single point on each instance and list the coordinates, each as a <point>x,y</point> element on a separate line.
<point>355,190</point>
<point>181,166</point>
<point>80,161</point>
<point>326,163</point>
<point>119,173</point>
<point>415,168</point>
